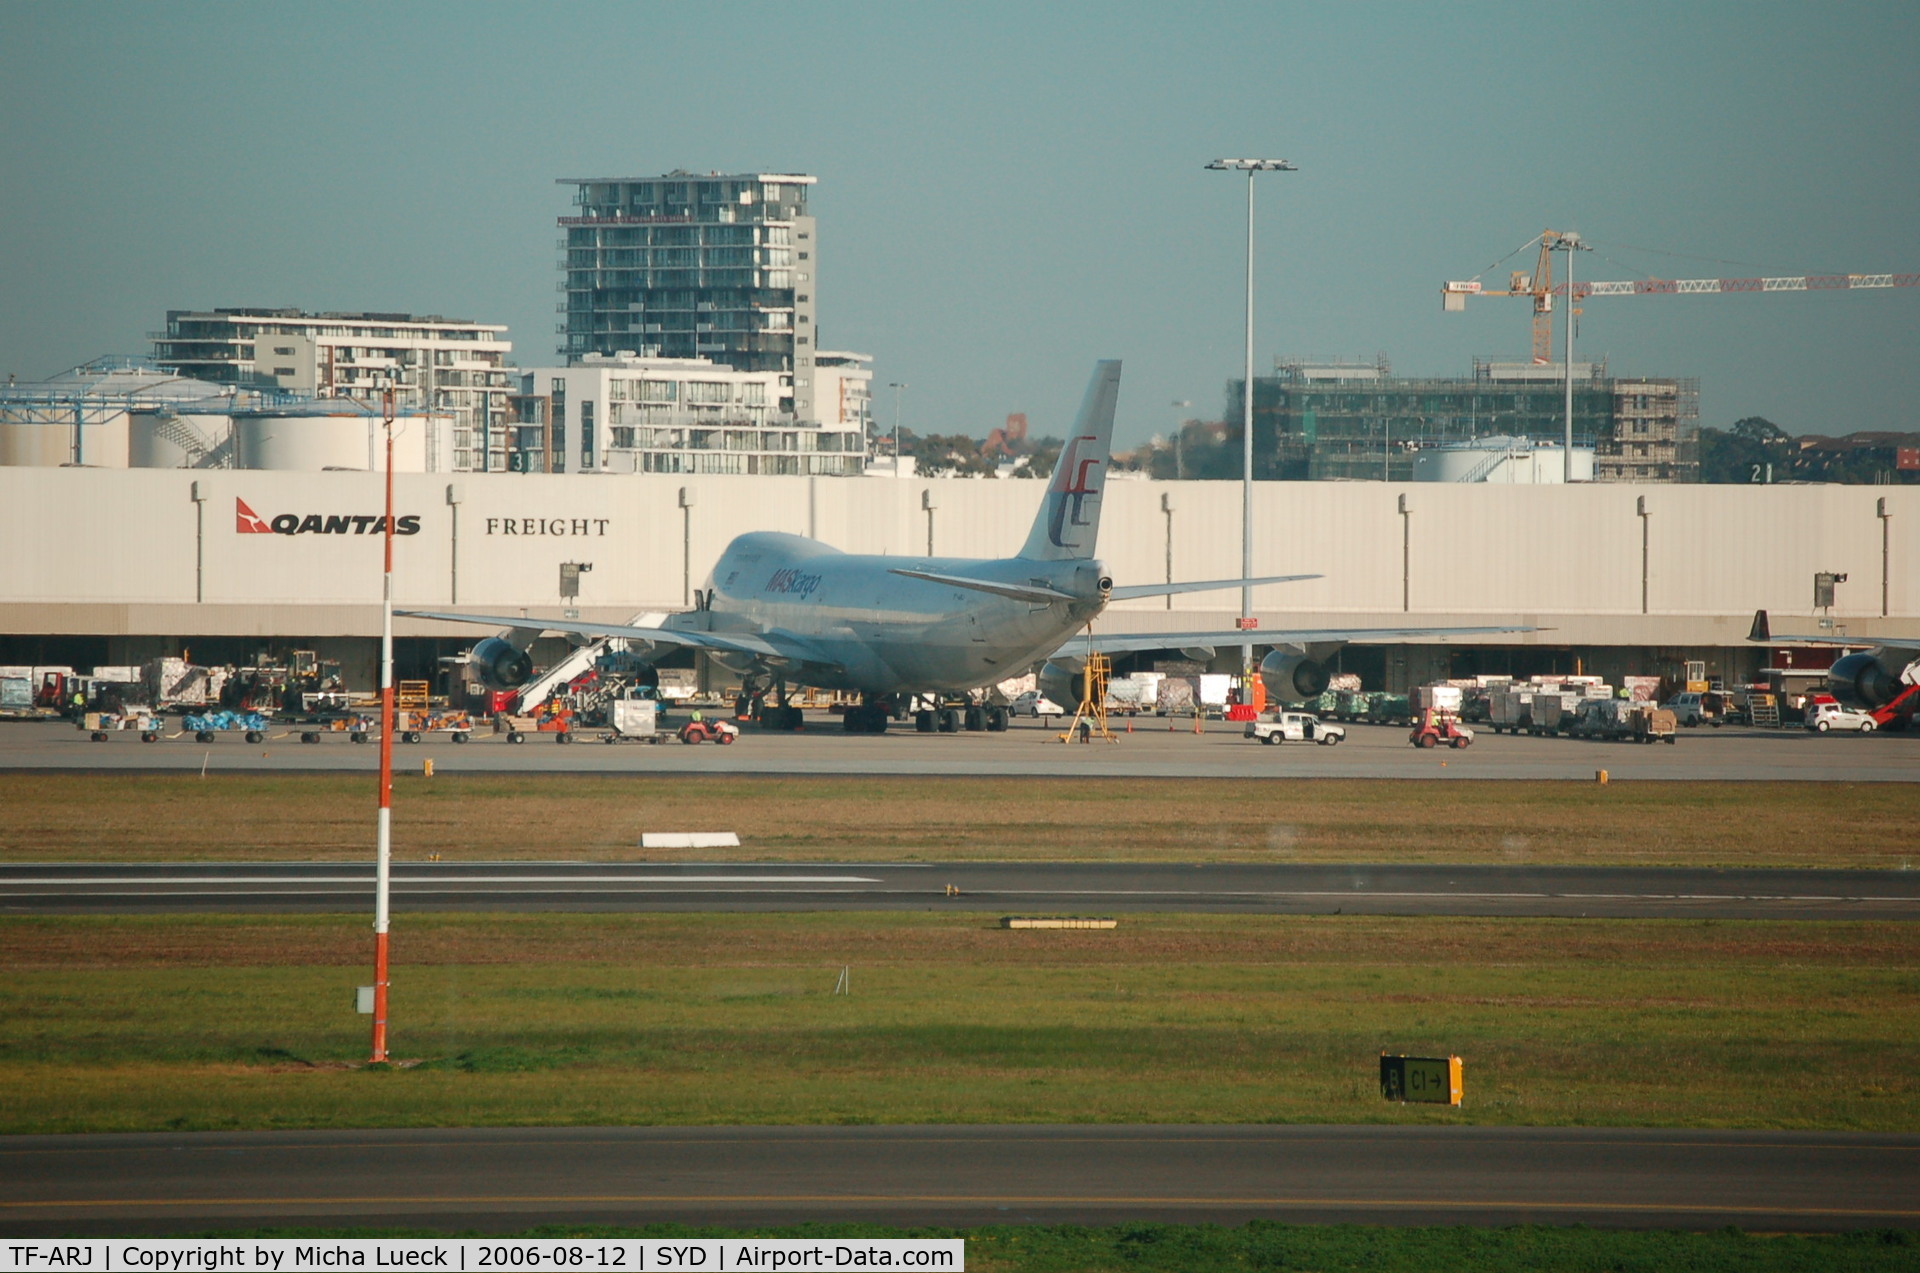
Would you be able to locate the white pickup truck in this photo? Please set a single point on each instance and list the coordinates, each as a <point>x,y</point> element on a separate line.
<point>1295,727</point>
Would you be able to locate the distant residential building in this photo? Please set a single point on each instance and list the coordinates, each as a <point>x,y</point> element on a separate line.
<point>448,366</point>
<point>695,265</point>
<point>628,413</point>
<point>1333,420</point>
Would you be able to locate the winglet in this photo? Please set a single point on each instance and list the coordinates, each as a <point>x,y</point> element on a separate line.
<point>1068,525</point>
<point>1761,630</point>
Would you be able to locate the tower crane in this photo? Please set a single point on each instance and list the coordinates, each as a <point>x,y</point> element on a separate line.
<point>1542,288</point>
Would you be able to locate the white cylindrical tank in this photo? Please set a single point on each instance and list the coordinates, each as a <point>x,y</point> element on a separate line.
<point>165,440</point>
<point>32,440</point>
<point>309,442</point>
<point>1502,461</point>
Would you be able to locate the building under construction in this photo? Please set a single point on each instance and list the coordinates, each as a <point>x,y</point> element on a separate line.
<point>1328,419</point>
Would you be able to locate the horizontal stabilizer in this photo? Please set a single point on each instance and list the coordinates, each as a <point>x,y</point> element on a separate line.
<point>1018,591</point>
<point>1130,591</point>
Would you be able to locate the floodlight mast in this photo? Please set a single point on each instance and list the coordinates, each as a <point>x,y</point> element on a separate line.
<point>1250,167</point>
<point>383,865</point>
<point>1568,243</point>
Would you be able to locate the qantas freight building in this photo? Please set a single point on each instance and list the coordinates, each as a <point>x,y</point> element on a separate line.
<point>118,566</point>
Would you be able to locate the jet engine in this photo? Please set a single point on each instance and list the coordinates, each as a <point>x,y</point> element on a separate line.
<point>1062,684</point>
<point>1291,677</point>
<point>499,664</point>
<point>1863,681</point>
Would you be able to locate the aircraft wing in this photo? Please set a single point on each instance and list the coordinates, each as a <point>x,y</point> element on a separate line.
<point>1128,592</point>
<point>730,642</point>
<point>1126,643</point>
<point>1763,631</point>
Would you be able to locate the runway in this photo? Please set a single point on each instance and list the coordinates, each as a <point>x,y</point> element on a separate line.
<point>507,1179</point>
<point>1007,888</point>
<point>1157,749</point>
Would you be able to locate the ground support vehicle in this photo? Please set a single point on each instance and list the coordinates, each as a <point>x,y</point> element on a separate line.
<point>204,725</point>
<point>356,726</point>
<point>1436,717</point>
<point>1688,709</point>
<point>410,726</point>
<point>1034,703</point>
<point>100,724</point>
<point>1434,726</point>
<point>708,729</point>
<point>1825,718</point>
<point>1390,709</point>
<point>1294,727</point>
<point>633,720</point>
<point>1511,711</point>
<point>1622,720</point>
<point>516,728</point>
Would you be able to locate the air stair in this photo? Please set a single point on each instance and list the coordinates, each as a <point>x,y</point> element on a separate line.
<point>581,660</point>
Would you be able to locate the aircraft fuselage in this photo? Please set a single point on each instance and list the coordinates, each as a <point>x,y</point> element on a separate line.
<point>867,628</point>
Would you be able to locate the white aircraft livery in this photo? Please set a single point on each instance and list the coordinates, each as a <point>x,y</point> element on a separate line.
<point>783,610</point>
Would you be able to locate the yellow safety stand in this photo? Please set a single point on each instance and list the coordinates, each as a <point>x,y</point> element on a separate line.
<point>1090,719</point>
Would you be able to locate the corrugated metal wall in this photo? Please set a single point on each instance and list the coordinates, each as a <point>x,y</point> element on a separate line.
<point>77,540</point>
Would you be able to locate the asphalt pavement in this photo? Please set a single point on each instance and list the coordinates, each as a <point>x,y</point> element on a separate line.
<point>1156,748</point>
<point>508,1179</point>
<point>1007,888</point>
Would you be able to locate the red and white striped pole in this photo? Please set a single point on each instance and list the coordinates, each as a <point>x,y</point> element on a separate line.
<point>384,840</point>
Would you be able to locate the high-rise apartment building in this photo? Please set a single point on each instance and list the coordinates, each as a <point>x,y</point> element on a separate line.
<point>695,265</point>
<point>444,365</point>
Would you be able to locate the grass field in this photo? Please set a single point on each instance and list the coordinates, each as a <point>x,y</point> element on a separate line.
<point>267,817</point>
<point>223,1022</point>
<point>1150,1248</point>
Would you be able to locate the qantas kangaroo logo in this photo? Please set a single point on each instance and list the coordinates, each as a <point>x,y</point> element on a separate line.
<point>1073,483</point>
<point>248,522</point>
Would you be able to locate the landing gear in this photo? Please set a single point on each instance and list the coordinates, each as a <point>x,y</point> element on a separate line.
<point>949,720</point>
<point>923,721</point>
<point>997,720</point>
<point>870,717</point>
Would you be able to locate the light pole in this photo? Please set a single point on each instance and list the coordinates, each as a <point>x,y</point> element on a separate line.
<point>1568,243</point>
<point>896,386</point>
<point>1179,454</point>
<point>1250,167</point>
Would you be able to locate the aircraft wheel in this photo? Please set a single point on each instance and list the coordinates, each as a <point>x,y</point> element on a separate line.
<point>949,720</point>
<point>923,721</point>
<point>996,720</point>
<point>976,720</point>
<point>855,720</point>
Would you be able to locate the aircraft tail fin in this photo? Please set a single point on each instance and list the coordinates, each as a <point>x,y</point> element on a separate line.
<point>1068,525</point>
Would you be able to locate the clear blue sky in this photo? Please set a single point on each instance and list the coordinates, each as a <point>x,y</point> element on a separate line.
<point>1007,191</point>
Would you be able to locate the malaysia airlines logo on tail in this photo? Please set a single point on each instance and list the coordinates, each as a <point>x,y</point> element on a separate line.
<point>248,522</point>
<point>1074,480</point>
